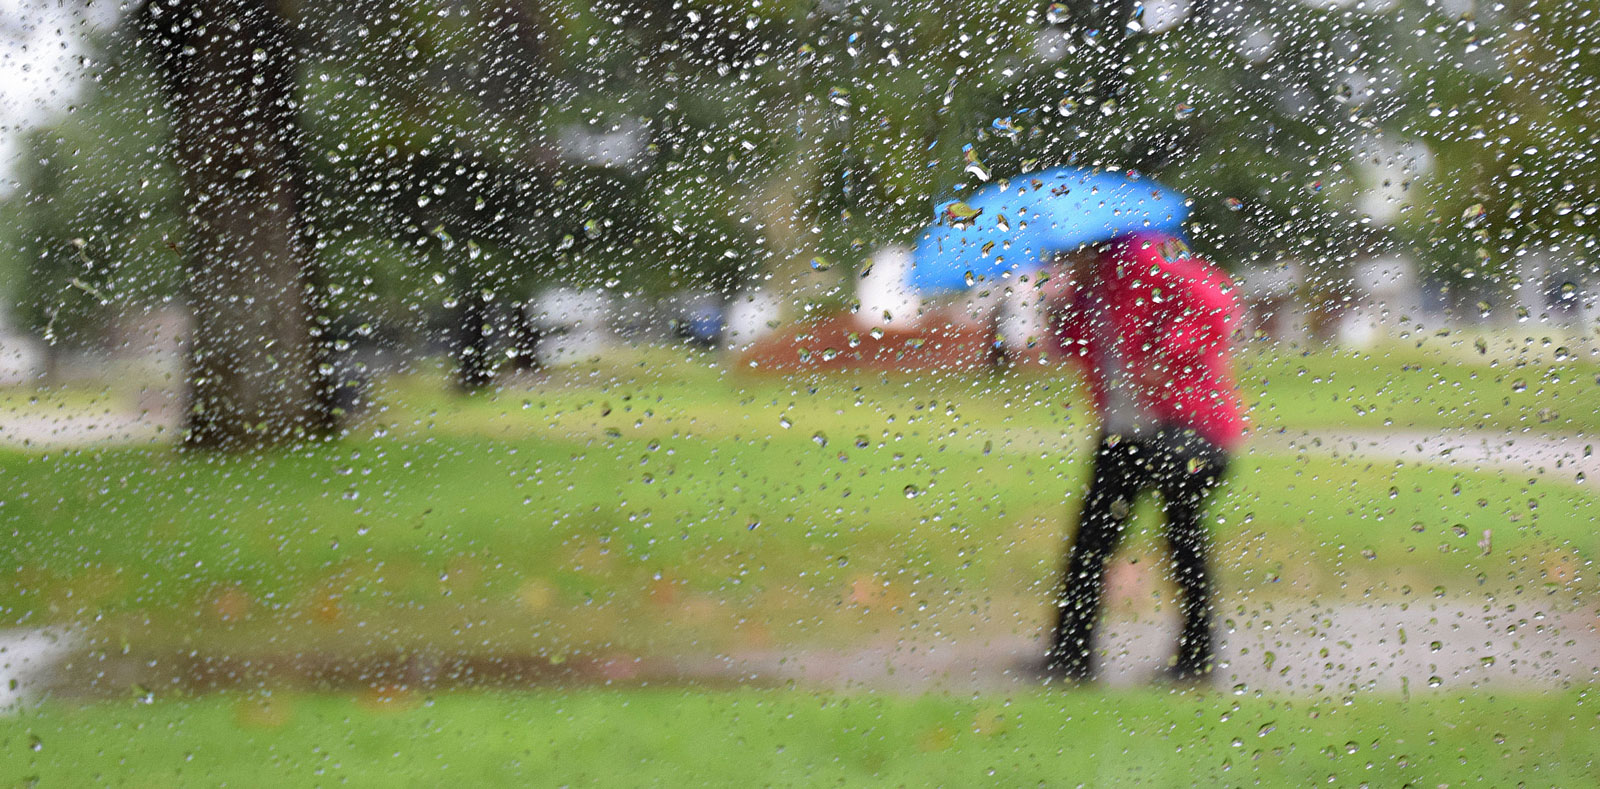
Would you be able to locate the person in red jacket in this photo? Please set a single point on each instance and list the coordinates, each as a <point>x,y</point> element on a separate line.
<point>1150,324</point>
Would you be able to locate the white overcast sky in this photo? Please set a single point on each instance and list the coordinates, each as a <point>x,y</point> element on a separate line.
<point>39,65</point>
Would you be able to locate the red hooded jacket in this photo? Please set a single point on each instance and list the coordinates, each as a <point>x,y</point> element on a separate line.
<point>1175,315</point>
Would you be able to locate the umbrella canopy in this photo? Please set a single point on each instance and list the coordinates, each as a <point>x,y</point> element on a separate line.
<point>1012,226</point>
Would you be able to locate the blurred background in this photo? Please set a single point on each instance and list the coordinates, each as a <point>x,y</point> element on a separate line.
<point>485,388</point>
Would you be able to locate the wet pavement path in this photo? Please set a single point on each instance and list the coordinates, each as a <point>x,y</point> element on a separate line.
<point>1442,644</point>
<point>1569,458</point>
<point>1405,647</point>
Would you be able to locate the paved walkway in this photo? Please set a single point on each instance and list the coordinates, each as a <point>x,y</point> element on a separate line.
<point>1450,645</point>
<point>1447,644</point>
<point>53,431</point>
<point>26,658</point>
<point>1571,457</point>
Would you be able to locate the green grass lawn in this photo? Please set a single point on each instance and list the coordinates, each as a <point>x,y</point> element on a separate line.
<point>649,503</point>
<point>658,503</point>
<point>1436,386</point>
<point>666,737</point>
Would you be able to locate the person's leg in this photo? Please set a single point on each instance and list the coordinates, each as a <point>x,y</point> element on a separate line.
<point>1114,484</point>
<point>1193,471</point>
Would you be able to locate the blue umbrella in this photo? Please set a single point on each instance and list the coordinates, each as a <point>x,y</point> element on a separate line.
<point>1012,226</point>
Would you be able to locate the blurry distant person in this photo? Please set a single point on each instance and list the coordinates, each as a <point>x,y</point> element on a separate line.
<point>1150,324</point>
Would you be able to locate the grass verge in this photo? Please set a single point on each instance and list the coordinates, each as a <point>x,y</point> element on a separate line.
<point>637,737</point>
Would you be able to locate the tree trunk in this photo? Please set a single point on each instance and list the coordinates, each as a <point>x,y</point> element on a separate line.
<point>474,339</point>
<point>229,66</point>
<point>526,335</point>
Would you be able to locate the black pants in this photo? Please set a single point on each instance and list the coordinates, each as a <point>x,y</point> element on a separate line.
<point>1183,468</point>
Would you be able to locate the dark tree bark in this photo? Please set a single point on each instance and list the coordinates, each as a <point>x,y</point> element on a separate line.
<point>526,335</point>
<point>474,339</point>
<point>229,68</point>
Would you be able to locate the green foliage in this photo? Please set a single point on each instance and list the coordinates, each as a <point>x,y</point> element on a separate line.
<point>1501,95</point>
<point>94,226</point>
<point>746,139</point>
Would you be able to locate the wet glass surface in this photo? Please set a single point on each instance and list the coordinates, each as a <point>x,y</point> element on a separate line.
<point>787,392</point>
